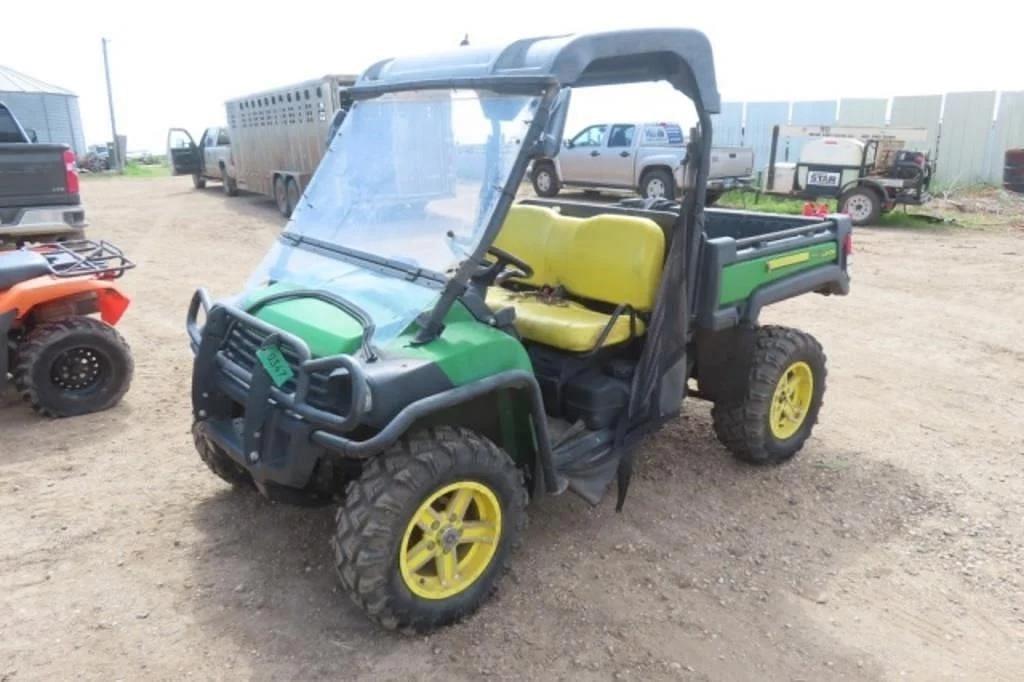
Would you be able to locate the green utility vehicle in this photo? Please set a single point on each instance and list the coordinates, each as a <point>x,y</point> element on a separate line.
<point>434,359</point>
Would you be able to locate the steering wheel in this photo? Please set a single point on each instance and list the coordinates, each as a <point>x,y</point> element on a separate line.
<point>497,272</point>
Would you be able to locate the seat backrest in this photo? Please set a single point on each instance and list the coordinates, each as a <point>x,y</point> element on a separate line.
<point>610,258</point>
<point>615,259</point>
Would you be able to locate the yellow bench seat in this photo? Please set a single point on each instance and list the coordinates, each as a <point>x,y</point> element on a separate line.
<point>562,324</point>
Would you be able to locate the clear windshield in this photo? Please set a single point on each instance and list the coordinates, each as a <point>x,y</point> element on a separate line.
<point>410,178</point>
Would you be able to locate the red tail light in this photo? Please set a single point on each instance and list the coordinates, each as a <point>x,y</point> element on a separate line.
<point>70,174</point>
<point>848,244</point>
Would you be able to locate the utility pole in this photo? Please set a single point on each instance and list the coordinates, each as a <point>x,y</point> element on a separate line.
<point>118,161</point>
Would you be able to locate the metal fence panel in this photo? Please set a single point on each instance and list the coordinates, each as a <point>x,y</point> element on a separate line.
<point>727,127</point>
<point>761,118</point>
<point>963,137</point>
<point>1008,133</point>
<point>807,113</point>
<point>922,111</point>
<point>862,112</point>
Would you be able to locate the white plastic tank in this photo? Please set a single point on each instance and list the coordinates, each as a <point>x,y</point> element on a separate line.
<point>833,151</point>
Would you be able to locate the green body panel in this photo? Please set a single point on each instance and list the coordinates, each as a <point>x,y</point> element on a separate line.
<point>468,349</point>
<point>325,328</point>
<point>739,280</point>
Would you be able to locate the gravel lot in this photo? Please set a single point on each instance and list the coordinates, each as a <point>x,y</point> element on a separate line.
<point>891,548</point>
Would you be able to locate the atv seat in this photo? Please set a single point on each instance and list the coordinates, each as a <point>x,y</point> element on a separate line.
<point>18,266</point>
<point>608,266</point>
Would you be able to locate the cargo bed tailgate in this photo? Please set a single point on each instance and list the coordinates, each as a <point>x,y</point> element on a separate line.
<point>33,175</point>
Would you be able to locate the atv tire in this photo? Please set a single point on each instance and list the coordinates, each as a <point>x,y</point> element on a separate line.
<point>73,366</point>
<point>218,461</point>
<point>766,426</point>
<point>381,524</point>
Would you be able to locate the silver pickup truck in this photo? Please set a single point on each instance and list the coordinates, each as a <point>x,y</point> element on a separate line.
<point>646,158</point>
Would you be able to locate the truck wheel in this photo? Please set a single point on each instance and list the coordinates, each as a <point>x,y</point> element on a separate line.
<point>281,196</point>
<point>73,366</point>
<point>545,180</point>
<point>781,401</point>
<point>218,461</point>
<point>862,204</point>
<point>293,195</point>
<point>228,183</point>
<point>426,530</point>
<point>712,196</point>
<point>658,184</point>
<point>198,181</point>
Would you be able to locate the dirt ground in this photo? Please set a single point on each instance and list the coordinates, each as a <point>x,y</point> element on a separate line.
<point>891,548</point>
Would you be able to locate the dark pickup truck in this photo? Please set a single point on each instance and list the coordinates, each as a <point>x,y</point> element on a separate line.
<point>39,199</point>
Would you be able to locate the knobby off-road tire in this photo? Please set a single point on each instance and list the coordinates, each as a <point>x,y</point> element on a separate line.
<point>377,526</point>
<point>783,360</point>
<point>218,461</point>
<point>73,366</point>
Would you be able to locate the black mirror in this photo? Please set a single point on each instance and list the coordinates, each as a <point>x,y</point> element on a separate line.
<point>32,136</point>
<point>568,144</point>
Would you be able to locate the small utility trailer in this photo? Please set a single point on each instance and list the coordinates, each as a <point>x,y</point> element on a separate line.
<point>868,170</point>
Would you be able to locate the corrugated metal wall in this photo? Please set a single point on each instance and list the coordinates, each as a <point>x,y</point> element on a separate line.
<point>55,118</point>
<point>964,136</point>
<point>920,111</point>
<point>1007,133</point>
<point>967,136</point>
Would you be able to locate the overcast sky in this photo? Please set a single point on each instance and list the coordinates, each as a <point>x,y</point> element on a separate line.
<point>176,63</point>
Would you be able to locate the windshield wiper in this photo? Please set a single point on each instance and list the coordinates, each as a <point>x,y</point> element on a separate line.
<point>386,266</point>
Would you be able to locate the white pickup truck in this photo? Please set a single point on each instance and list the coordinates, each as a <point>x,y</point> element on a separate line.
<point>646,158</point>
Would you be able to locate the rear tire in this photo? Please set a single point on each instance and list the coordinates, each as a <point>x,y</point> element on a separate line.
<point>712,197</point>
<point>73,366</point>
<point>228,183</point>
<point>658,184</point>
<point>198,181</point>
<point>218,461</point>
<point>404,507</point>
<point>293,195</point>
<point>545,180</point>
<point>862,204</point>
<point>281,196</point>
<point>767,426</point>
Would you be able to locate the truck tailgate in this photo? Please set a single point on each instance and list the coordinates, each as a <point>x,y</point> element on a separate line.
<point>32,175</point>
<point>731,162</point>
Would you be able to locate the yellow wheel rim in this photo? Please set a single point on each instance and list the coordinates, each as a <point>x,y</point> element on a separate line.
<point>792,400</point>
<point>450,540</point>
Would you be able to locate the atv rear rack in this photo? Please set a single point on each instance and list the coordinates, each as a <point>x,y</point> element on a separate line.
<point>85,257</point>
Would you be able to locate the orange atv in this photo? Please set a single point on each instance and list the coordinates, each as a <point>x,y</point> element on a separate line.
<point>64,361</point>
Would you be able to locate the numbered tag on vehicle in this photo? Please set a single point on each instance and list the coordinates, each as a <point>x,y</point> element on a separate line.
<point>277,367</point>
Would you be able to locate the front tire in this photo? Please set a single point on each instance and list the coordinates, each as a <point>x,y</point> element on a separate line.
<point>218,461</point>
<point>781,400</point>
<point>73,366</point>
<point>545,180</point>
<point>425,532</point>
<point>198,181</point>
<point>658,184</point>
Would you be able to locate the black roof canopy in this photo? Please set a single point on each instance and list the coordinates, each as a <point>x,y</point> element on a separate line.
<point>680,56</point>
